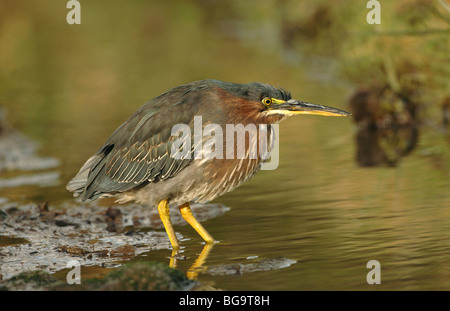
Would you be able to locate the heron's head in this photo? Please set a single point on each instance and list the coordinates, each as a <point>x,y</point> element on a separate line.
<point>265,101</point>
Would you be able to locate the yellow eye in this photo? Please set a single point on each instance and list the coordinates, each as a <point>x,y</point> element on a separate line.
<point>267,101</point>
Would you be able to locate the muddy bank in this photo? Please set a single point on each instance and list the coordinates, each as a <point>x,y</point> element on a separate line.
<point>39,237</point>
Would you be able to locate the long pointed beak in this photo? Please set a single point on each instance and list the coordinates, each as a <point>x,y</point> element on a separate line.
<point>293,107</point>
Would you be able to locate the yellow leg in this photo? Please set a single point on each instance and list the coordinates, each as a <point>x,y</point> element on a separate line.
<point>185,210</point>
<point>163,209</point>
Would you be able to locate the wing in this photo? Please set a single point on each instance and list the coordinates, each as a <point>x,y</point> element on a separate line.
<point>139,151</point>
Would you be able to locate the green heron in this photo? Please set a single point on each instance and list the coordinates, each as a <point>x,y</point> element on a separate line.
<point>136,162</point>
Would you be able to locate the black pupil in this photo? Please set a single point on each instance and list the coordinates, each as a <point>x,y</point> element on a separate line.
<point>267,101</point>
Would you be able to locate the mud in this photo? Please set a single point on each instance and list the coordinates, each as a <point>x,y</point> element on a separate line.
<point>39,237</point>
<point>264,264</point>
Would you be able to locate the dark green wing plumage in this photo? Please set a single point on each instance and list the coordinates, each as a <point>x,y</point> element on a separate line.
<point>139,151</point>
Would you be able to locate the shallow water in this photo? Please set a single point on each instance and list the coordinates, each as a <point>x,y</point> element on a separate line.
<point>318,208</point>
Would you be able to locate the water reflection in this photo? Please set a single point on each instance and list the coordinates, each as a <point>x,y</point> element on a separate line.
<point>198,265</point>
<point>386,126</point>
<point>384,147</point>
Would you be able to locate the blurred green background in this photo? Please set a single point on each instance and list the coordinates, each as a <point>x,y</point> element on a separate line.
<point>69,86</point>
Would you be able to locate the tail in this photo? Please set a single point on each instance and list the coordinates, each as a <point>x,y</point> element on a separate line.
<point>92,182</point>
<point>78,184</point>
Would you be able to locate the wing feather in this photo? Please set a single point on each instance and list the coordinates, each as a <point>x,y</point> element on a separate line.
<point>138,151</point>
